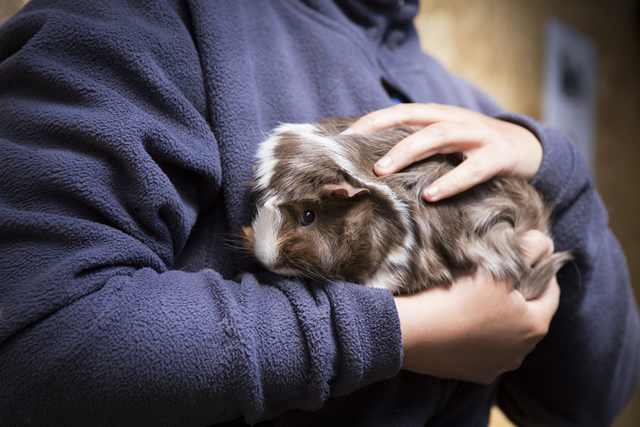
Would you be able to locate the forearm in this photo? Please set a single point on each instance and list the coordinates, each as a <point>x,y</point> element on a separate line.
<point>184,349</point>
<point>109,169</point>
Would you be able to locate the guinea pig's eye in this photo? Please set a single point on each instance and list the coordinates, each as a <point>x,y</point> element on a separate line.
<point>307,218</point>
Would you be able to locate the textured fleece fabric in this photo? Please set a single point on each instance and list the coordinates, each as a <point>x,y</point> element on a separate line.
<point>127,134</point>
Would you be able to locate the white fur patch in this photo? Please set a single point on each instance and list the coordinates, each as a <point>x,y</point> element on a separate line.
<point>265,228</point>
<point>400,256</point>
<point>384,279</point>
<point>267,162</point>
<point>398,259</point>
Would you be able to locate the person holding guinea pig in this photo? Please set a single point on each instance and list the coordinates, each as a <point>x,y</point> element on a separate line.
<point>128,136</point>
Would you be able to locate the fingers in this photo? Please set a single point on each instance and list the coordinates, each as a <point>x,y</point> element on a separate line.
<point>407,114</point>
<point>490,147</point>
<point>472,171</point>
<point>441,137</point>
<point>445,129</point>
<point>448,137</point>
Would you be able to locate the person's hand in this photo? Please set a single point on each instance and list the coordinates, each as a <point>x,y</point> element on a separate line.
<point>478,328</point>
<point>489,147</point>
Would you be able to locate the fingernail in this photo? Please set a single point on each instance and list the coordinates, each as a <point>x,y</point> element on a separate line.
<point>347,131</point>
<point>432,191</point>
<point>384,162</point>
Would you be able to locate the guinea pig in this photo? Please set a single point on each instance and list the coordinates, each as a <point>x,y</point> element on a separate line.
<point>322,213</point>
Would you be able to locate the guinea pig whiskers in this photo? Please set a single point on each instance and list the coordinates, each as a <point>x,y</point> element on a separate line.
<point>237,243</point>
<point>299,265</point>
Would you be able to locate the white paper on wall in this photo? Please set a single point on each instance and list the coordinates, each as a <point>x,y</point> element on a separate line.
<point>569,90</point>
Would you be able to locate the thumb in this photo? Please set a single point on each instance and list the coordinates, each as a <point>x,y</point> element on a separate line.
<point>536,246</point>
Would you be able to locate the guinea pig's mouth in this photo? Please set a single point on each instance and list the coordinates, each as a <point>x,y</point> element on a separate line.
<point>282,270</point>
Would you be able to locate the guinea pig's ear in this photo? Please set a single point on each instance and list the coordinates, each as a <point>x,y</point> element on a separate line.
<point>343,190</point>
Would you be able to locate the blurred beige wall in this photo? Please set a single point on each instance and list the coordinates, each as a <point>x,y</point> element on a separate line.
<point>498,45</point>
<point>9,7</point>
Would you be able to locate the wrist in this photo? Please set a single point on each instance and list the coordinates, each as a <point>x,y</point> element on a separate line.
<point>424,329</point>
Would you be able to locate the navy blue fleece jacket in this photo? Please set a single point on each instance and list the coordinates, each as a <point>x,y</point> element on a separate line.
<point>127,135</point>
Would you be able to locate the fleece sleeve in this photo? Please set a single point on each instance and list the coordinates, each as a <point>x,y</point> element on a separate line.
<point>587,368</point>
<point>106,164</point>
